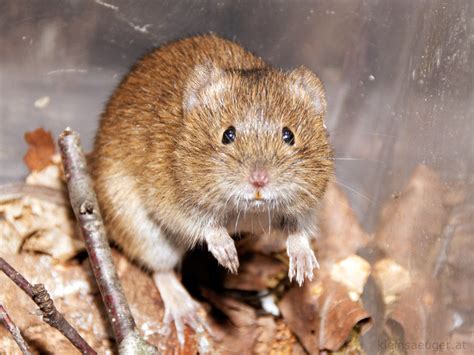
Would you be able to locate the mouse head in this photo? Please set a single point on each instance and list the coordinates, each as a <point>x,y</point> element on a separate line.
<point>254,139</point>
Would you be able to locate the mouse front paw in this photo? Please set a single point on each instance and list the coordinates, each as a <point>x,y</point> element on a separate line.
<point>222,246</point>
<point>302,260</point>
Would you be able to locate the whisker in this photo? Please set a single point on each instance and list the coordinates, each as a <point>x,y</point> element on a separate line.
<point>269,220</point>
<point>262,227</point>
<point>357,159</point>
<point>354,191</point>
<point>227,201</point>
<point>238,215</point>
<point>378,134</point>
<point>245,214</point>
<point>366,134</point>
<point>351,159</point>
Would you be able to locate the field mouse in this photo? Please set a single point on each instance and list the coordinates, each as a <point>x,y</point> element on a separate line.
<point>201,140</point>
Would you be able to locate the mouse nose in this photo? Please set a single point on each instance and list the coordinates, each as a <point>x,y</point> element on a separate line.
<point>259,178</point>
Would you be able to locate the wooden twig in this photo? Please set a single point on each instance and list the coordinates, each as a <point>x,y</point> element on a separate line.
<point>13,329</point>
<point>17,278</point>
<point>86,208</point>
<point>50,313</point>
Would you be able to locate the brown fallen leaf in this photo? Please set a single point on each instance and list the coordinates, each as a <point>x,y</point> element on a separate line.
<point>463,341</point>
<point>410,224</point>
<point>426,234</point>
<point>341,234</point>
<point>257,272</point>
<point>274,337</point>
<point>322,315</point>
<point>41,149</point>
<point>341,237</point>
<point>408,320</point>
<point>236,325</point>
<point>458,274</point>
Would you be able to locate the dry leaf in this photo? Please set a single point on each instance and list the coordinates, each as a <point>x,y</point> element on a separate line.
<point>341,233</point>
<point>54,242</point>
<point>75,295</point>
<point>257,272</point>
<point>74,290</point>
<point>41,149</point>
<point>236,325</point>
<point>321,314</point>
<point>50,176</point>
<point>458,277</point>
<point>39,226</point>
<point>409,315</point>
<point>391,278</point>
<point>10,239</point>
<point>410,225</point>
<point>425,279</point>
<point>353,273</point>
<point>274,337</point>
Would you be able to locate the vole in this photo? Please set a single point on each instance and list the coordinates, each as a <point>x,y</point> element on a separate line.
<point>202,140</point>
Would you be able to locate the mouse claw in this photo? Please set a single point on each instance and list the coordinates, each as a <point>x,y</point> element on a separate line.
<point>186,313</point>
<point>302,263</point>
<point>178,324</point>
<point>223,249</point>
<point>180,308</point>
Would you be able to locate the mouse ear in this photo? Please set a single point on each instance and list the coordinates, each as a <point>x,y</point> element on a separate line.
<point>203,83</point>
<point>303,82</point>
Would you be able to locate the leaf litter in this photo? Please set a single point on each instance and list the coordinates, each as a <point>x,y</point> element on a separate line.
<point>422,234</point>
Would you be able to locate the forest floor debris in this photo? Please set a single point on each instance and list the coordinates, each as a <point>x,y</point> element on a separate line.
<point>423,239</point>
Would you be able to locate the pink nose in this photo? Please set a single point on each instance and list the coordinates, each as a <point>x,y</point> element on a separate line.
<point>259,178</point>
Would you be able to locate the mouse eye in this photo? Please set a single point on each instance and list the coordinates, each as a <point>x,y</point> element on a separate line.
<point>229,135</point>
<point>288,136</point>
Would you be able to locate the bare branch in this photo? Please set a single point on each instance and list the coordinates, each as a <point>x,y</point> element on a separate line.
<point>50,313</point>
<point>86,208</point>
<point>13,329</point>
<point>17,278</point>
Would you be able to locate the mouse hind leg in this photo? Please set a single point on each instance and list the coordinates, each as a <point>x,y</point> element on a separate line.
<point>130,226</point>
<point>162,256</point>
<point>180,308</point>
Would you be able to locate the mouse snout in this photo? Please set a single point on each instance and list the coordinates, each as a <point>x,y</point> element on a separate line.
<point>259,178</point>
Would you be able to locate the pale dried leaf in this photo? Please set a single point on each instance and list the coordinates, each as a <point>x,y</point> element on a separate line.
<point>352,272</point>
<point>10,239</point>
<point>50,176</point>
<point>54,242</point>
<point>392,279</point>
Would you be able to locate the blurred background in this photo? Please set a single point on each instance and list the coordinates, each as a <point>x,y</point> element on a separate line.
<point>399,76</point>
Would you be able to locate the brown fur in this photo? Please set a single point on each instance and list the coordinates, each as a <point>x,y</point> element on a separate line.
<point>163,127</point>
